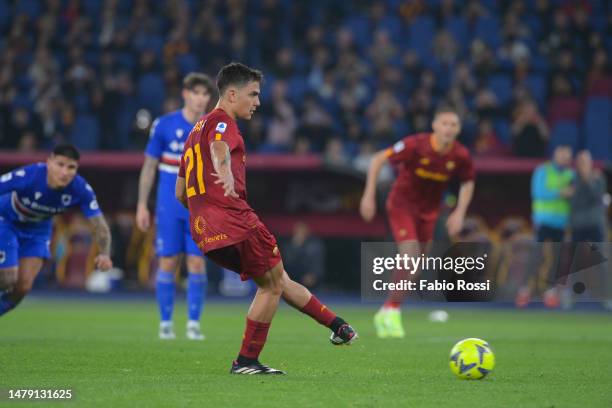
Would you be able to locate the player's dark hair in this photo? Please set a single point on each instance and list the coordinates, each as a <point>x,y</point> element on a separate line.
<point>67,150</point>
<point>237,74</point>
<point>194,79</point>
<point>446,109</point>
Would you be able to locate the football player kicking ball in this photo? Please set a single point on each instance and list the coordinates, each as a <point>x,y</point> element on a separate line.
<point>29,197</point>
<point>211,182</point>
<point>426,163</point>
<point>173,239</point>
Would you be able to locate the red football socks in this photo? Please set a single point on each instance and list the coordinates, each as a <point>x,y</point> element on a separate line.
<point>254,338</point>
<point>318,311</point>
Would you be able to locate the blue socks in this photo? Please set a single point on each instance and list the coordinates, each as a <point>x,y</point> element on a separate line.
<point>197,286</point>
<point>165,294</point>
<point>6,304</point>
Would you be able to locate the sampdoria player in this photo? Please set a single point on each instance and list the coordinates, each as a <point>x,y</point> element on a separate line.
<point>211,182</point>
<point>29,197</point>
<point>426,163</point>
<point>173,239</point>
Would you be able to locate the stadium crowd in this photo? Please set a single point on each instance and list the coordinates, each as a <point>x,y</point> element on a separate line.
<point>342,78</point>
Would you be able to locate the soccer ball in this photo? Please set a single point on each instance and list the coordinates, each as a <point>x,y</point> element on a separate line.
<point>472,359</point>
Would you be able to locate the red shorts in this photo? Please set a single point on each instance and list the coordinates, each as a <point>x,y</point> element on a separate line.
<point>250,258</point>
<point>407,226</point>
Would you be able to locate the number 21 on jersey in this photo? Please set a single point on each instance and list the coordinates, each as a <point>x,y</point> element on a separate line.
<point>199,163</point>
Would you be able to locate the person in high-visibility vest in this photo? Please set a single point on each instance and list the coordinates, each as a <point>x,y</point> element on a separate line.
<point>551,188</point>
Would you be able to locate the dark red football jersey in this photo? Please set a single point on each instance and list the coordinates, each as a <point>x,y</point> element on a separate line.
<point>216,221</point>
<point>424,173</point>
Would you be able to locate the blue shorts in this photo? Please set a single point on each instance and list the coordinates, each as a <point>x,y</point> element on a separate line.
<point>17,243</point>
<point>173,236</point>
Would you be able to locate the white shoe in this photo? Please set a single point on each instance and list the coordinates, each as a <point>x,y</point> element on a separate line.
<point>166,332</point>
<point>194,332</point>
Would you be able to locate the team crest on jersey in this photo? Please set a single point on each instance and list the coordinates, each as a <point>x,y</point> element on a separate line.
<point>424,161</point>
<point>2,257</point>
<point>450,165</point>
<point>399,146</point>
<point>221,126</point>
<point>199,225</point>
<point>37,195</point>
<point>179,133</point>
<point>66,199</point>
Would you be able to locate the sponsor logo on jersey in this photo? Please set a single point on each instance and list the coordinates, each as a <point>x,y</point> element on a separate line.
<point>37,195</point>
<point>179,133</point>
<point>221,126</point>
<point>66,199</point>
<point>424,161</point>
<point>399,146</point>
<point>430,175</point>
<point>210,240</point>
<point>450,165</point>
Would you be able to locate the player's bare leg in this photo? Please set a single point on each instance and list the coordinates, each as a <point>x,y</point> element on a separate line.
<point>27,272</point>
<point>197,285</point>
<point>270,287</point>
<point>388,320</point>
<point>303,300</point>
<point>8,279</point>
<point>165,289</point>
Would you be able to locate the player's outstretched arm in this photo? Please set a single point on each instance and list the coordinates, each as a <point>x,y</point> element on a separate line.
<point>180,191</point>
<point>145,185</point>
<point>367,207</point>
<point>454,223</point>
<point>102,237</point>
<point>220,152</point>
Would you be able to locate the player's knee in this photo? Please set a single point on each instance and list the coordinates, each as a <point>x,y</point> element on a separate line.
<point>8,278</point>
<point>168,263</point>
<point>195,264</point>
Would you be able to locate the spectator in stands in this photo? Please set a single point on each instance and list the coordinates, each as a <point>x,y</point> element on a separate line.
<point>599,79</point>
<point>334,153</point>
<point>564,105</point>
<point>487,142</point>
<point>530,132</point>
<point>304,255</point>
<point>284,122</point>
<point>588,217</point>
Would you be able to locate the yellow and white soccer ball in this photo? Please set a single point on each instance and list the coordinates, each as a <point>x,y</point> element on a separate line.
<point>472,359</point>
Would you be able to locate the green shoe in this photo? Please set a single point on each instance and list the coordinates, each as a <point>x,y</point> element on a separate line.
<point>380,324</point>
<point>394,324</point>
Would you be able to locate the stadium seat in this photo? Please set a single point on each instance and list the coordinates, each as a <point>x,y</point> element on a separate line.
<point>487,29</point>
<point>598,127</point>
<point>536,84</point>
<point>421,33</point>
<point>151,93</point>
<point>501,85</point>
<point>564,132</point>
<point>458,29</point>
<point>85,133</point>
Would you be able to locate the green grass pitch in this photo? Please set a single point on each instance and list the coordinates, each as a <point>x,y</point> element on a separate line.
<point>108,353</point>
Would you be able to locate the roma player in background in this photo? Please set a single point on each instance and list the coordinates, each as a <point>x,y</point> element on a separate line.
<point>212,184</point>
<point>426,163</point>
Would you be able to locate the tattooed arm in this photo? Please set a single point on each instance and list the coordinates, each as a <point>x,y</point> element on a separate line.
<point>145,185</point>
<point>221,158</point>
<point>102,237</point>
